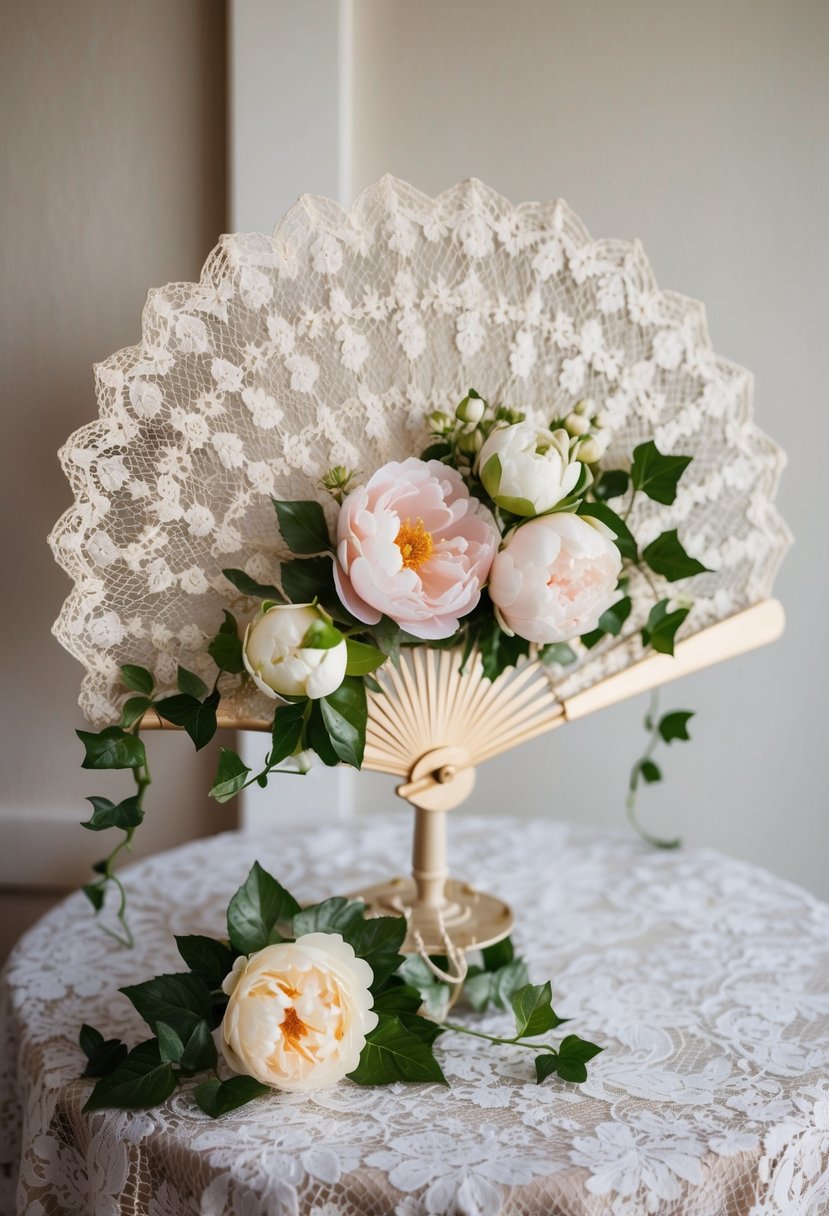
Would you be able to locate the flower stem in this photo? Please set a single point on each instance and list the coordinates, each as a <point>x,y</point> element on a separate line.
<point>491,1038</point>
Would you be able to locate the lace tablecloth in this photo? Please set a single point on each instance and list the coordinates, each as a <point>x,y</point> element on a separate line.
<point>706,979</point>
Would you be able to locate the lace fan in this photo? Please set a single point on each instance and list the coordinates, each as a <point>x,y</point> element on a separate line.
<point>328,344</point>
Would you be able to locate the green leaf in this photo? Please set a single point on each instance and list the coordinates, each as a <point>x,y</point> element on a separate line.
<point>434,995</point>
<point>133,709</point>
<point>650,772</point>
<point>557,652</point>
<point>316,737</point>
<point>662,625</point>
<point>286,731</point>
<point>573,1054</point>
<point>498,650</point>
<point>197,717</point>
<point>403,1002</point>
<point>312,578</point>
<point>497,956</point>
<point>436,451</point>
<point>102,1055</point>
<point>362,658</point>
<point>249,586</point>
<point>105,814</point>
<point>393,1053</point>
<point>622,534</point>
<point>111,748</point>
<point>387,634</point>
<point>344,714</point>
<point>138,679</point>
<point>199,1050</point>
<point>675,724</point>
<point>256,908</point>
<point>545,1066</point>
<point>191,684</point>
<point>335,915</point>
<point>533,1009</point>
<point>140,1081</point>
<point>496,986</point>
<point>657,474</point>
<point>216,1097</point>
<point>170,1045</point>
<point>208,959</point>
<point>303,526</point>
<point>614,617</point>
<point>378,940</point>
<point>231,775</point>
<point>612,484</point>
<point>666,556</point>
<point>226,647</point>
<point>94,892</point>
<point>180,1000</point>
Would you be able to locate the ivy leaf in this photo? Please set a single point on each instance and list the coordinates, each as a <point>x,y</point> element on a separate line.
<point>614,617</point>
<point>498,650</point>
<point>180,1000</point>
<point>651,772</point>
<point>138,679</point>
<point>141,1080</point>
<point>675,724</point>
<point>256,908</point>
<point>403,1002</point>
<point>208,959</point>
<point>393,1053</point>
<point>545,1066</point>
<point>111,747</point>
<point>312,578</point>
<point>436,451</point>
<point>434,995</point>
<point>303,526</point>
<point>191,684</point>
<point>533,1009</point>
<point>557,652</point>
<point>335,915</point>
<point>344,714</point>
<point>496,986</point>
<point>197,717</point>
<point>286,731</point>
<point>216,1097</point>
<point>316,737</point>
<point>362,658</point>
<point>103,1055</point>
<point>231,775</point>
<point>378,940</point>
<point>497,956</point>
<point>573,1054</point>
<point>387,634</point>
<point>105,814</point>
<point>133,709</point>
<point>612,484</point>
<point>622,534</point>
<point>249,586</point>
<point>170,1045</point>
<point>199,1050</point>
<point>662,625</point>
<point>657,475</point>
<point>94,892</point>
<point>667,557</point>
<point>226,647</point>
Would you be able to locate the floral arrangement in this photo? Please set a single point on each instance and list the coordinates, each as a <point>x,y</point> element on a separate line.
<point>304,997</point>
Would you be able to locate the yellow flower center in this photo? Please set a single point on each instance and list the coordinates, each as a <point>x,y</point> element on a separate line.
<point>415,544</point>
<point>293,1027</point>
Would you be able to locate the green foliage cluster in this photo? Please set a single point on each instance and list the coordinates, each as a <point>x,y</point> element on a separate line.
<point>183,1009</point>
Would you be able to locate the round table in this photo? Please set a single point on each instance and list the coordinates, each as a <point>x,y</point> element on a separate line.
<point>706,979</point>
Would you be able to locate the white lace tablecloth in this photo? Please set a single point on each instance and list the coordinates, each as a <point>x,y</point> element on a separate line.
<point>706,979</point>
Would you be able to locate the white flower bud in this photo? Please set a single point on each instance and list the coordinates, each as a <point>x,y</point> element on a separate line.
<point>470,410</point>
<point>528,470</point>
<point>439,422</point>
<point>293,650</point>
<point>576,424</point>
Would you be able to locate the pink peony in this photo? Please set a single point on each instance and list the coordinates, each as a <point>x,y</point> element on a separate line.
<point>413,545</point>
<point>554,578</point>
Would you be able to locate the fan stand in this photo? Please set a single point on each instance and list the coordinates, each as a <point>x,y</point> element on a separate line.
<point>436,906</point>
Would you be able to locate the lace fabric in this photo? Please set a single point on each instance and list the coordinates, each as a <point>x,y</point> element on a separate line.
<point>328,344</point>
<point>704,978</point>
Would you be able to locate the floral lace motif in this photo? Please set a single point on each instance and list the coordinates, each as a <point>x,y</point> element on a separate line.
<point>704,978</point>
<point>327,344</point>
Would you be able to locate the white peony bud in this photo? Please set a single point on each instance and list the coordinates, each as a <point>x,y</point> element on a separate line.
<point>528,470</point>
<point>293,650</point>
<point>470,410</point>
<point>576,424</point>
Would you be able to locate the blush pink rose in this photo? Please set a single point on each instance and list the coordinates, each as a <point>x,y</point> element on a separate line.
<point>414,546</point>
<point>554,578</point>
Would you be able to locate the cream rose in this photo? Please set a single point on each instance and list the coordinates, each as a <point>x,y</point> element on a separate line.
<point>293,650</point>
<point>554,577</point>
<point>528,470</point>
<point>298,1013</point>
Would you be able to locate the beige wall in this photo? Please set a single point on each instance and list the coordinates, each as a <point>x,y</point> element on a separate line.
<point>113,180</point>
<point>702,129</point>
